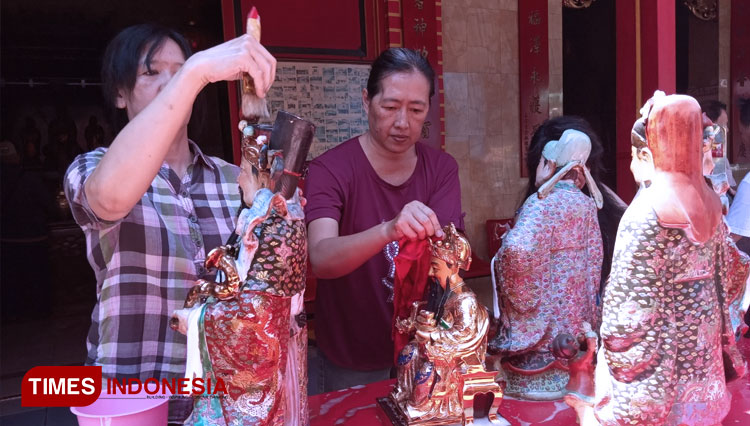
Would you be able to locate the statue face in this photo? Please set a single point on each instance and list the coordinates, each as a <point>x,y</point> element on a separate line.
<point>565,346</point>
<point>642,164</point>
<point>441,271</point>
<point>544,171</point>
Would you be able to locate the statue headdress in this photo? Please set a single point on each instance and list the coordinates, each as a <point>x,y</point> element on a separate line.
<point>280,150</point>
<point>453,248</point>
<point>571,150</point>
<point>680,196</point>
<point>255,144</point>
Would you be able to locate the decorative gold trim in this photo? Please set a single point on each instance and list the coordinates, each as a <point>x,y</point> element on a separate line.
<point>577,4</point>
<point>707,10</point>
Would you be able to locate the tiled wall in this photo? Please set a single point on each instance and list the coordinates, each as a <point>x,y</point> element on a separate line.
<point>480,75</point>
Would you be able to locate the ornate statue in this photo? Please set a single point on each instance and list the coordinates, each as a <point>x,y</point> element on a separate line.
<point>667,341</point>
<point>547,271</point>
<point>248,328</point>
<point>580,353</point>
<point>442,368</point>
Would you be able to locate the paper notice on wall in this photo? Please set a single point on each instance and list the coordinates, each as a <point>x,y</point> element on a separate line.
<point>329,95</point>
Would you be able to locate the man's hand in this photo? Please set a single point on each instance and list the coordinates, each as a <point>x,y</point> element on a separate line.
<point>414,221</point>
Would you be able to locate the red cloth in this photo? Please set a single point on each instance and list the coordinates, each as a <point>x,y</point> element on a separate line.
<point>353,313</point>
<point>412,266</point>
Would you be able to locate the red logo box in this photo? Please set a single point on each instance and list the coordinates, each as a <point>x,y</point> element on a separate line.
<point>61,386</point>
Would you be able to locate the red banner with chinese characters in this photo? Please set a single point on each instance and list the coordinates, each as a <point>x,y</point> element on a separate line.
<point>422,31</point>
<point>739,121</point>
<point>533,72</point>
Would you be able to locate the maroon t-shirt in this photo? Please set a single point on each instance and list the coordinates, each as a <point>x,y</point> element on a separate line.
<point>353,313</point>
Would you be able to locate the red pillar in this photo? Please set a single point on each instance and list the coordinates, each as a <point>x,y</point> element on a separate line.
<point>740,79</point>
<point>658,47</point>
<point>645,63</point>
<point>626,109</point>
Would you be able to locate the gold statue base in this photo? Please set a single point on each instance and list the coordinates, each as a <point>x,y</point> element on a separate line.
<point>398,417</point>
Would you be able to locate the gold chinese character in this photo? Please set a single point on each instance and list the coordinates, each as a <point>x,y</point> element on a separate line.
<point>423,51</point>
<point>534,105</point>
<point>535,45</point>
<point>420,26</point>
<point>426,129</point>
<point>419,4</point>
<point>535,78</point>
<point>535,18</point>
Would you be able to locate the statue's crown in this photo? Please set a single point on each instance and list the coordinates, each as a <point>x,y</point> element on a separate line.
<point>254,146</point>
<point>453,248</point>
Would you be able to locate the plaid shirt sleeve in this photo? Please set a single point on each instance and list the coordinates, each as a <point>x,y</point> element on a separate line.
<point>75,178</point>
<point>146,262</point>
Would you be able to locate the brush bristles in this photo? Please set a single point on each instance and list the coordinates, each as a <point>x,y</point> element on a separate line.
<point>253,106</point>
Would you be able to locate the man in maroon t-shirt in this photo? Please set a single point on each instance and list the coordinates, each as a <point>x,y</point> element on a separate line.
<point>363,196</point>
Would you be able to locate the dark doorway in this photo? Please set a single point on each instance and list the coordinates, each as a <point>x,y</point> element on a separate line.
<point>697,54</point>
<point>589,73</point>
<point>51,55</point>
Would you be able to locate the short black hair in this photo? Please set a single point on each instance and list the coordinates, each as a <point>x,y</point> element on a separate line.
<point>713,108</point>
<point>121,60</point>
<point>398,59</point>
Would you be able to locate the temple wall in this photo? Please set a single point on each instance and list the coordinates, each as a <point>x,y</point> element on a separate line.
<point>480,74</point>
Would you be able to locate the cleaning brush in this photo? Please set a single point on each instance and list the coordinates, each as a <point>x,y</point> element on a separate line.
<point>253,107</point>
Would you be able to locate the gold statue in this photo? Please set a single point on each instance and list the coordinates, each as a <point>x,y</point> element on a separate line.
<point>442,367</point>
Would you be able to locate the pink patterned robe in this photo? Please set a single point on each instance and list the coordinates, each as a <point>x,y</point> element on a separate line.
<point>548,271</point>
<point>254,342</point>
<point>666,330</point>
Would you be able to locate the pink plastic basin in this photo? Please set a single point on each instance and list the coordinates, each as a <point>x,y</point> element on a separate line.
<point>124,410</point>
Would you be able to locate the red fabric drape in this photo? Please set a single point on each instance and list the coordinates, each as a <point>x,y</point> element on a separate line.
<point>412,267</point>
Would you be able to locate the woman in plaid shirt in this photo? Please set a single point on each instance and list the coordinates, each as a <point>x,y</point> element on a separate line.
<point>151,203</point>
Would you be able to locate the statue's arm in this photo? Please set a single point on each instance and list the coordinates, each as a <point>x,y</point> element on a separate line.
<point>736,265</point>
<point>524,256</point>
<point>594,254</point>
<point>466,330</point>
<point>633,304</point>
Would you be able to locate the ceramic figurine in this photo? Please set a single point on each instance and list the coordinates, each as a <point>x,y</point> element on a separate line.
<point>580,353</point>
<point>667,340</point>
<point>547,271</point>
<point>248,328</point>
<point>442,367</point>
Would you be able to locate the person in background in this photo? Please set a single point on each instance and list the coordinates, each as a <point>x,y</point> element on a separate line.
<point>738,217</point>
<point>62,144</point>
<point>716,111</point>
<point>94,134</point>
<point>31,142</point>
<point>738,220</point>
<point>151,203</point>
<point>363,196</point>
